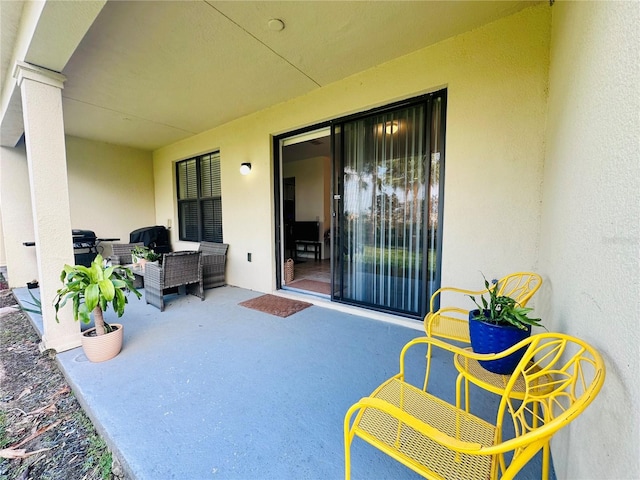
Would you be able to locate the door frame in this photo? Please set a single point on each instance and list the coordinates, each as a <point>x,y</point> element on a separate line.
<point>277,179</point>
<point>277,191</point>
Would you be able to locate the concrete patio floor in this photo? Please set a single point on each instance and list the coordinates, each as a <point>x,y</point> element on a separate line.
<point>215,390</point>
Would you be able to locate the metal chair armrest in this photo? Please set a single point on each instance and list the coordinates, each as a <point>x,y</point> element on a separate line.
<point>461,291</point>
<point>465,352</point>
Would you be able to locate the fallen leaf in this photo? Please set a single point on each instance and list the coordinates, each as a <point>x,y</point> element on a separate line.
<point>12,453</point>
<point>38,433</point>
<point>26,391</point>
<point>63,391</point>
<point>48,409</point>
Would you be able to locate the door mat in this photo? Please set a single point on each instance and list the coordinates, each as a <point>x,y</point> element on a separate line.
<point>274,305</point>
<point>312,286</point>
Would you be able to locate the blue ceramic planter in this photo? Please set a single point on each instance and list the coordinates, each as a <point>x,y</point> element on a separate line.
<point>489,338</point>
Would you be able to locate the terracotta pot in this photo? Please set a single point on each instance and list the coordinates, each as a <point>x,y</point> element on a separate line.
<point>100,348</point>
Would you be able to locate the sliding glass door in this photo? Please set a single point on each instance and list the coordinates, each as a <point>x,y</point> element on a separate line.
<point>387,209</point>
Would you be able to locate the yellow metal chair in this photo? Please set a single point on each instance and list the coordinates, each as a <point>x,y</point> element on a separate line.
<point>452,322</point>
<point>470,371</point>
<point>561,374</point>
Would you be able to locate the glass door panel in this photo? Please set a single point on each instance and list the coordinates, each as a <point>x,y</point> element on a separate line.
<point>383,226</point>
<point>387,208</point>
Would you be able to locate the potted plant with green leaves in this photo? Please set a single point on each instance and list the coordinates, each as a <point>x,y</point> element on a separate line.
<point>91,290</point>
<point>498,324</point>
<point>141,254</point>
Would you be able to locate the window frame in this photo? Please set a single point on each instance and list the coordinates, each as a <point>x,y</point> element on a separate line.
<point>199,200</point>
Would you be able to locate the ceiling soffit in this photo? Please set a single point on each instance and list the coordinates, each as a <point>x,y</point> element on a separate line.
<point>148,74</point>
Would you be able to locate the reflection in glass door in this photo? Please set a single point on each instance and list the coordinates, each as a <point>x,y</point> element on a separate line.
<point>387,187</point>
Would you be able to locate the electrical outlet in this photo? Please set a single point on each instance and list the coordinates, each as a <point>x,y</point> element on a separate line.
<point>248,257</point>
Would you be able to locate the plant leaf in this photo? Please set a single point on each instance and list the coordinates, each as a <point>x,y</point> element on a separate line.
<point>92,296</point>
<point>107,289</point>
<point>108,272</point>
<point>83,313</point>
<point>118,302</point>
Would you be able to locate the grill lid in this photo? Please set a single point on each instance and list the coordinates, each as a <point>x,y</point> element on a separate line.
<point>83,238</point>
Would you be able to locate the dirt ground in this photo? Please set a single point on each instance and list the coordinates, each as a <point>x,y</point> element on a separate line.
<point>44,433</point>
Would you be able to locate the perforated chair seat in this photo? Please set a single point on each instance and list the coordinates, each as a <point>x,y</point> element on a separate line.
<point>449,328</point>
<point>470,370</point>
<point>418,451</point>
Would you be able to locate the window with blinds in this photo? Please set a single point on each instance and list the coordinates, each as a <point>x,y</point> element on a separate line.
<point>200,198</point>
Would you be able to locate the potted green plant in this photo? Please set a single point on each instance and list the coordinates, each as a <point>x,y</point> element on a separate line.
<point>91,290</point>
<point>498,324</point>
<point>141,254</point>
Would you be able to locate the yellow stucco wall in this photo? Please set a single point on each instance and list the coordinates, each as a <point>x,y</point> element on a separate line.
<point>590,233</point>
<point>497,83</point>
<point>94,170</point>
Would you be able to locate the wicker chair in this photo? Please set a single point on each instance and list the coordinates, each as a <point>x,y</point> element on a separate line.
<point>122,253</point>
<point>214,257</point>
<point>178,269</point>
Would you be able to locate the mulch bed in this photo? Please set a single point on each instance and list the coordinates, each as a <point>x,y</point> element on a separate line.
<point>44,433</point>
<point>274,305</point>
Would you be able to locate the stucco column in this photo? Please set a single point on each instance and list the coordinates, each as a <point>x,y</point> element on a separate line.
<point>17,216</point>
<point>41,92</point>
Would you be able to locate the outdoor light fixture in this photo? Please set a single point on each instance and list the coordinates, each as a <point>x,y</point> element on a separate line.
<point>245,168</point>
<point>391,127</point>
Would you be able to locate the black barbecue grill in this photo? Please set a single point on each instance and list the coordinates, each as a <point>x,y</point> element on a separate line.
<point>155,237</point>
<point>85,246</point>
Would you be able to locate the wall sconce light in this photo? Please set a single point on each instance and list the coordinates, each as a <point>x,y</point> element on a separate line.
<point>245,168</point>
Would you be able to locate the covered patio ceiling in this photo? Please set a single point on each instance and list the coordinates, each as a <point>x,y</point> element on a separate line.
<point>148,74</point>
